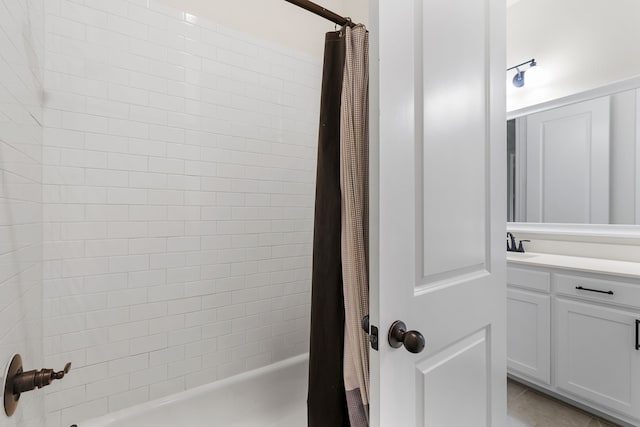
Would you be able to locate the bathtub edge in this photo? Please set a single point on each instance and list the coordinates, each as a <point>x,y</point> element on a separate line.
<point>110,418</point>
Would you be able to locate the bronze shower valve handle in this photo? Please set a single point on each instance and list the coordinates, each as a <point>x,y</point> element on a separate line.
<point>27,381</point>
<point>18,382</point>
<point>60,375</point>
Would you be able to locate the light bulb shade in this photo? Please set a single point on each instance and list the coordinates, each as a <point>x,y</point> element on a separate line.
<point>518,79</point>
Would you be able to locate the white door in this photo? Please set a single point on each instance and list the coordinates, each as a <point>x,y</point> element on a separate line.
<point>568,164</point>
<point>439,211</point>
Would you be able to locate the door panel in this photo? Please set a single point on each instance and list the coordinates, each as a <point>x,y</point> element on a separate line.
<point>460,370</point>
<point>438,217</point>
<point>452,135</point>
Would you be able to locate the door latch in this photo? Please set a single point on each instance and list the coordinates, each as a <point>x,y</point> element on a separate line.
<point>372,331</point>
<point>373,337</point>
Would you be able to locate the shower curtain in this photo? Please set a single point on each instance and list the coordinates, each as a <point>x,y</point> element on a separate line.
<point>326,401</point>
<point>338,353</point>
<point>354,179</point>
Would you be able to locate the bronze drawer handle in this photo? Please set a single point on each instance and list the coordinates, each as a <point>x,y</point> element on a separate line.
<point>580,288</point>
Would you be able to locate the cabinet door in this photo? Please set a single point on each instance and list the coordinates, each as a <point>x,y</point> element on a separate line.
<point>597,356</point>
<point>529,334</point>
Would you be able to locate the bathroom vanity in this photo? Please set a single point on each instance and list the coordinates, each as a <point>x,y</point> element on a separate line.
<point>573,329</point>
<point>573,299</point>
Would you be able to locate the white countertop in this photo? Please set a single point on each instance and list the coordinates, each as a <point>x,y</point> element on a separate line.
<point>589,265</point>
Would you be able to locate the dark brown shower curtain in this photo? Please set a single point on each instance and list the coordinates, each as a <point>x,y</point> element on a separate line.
<point>327,402</point>
<point>339,351</point>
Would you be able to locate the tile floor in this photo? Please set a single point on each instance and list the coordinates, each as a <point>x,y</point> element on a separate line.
<point>529,408</point>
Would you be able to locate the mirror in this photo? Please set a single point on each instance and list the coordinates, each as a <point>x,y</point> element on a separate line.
<point>576,162</point>
<point>574,135</point>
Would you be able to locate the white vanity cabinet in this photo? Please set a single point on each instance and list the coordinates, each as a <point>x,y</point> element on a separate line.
<point>596,355</point>
<point>528,326</point>
<point>576,335</point>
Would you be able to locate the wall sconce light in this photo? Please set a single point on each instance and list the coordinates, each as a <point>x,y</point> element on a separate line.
<point>518,79</point>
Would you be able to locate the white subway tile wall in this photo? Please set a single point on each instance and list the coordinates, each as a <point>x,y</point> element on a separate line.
<point>179,170</point>
<point>21,115</point>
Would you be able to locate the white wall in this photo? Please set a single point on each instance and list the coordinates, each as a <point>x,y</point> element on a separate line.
<point>581,44</point>
<point>21,58</point>
<point>179,192</point>
<point>276,20</point>
<point>625,141</point>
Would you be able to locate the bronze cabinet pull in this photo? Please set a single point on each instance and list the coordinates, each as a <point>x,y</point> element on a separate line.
<point>581,288</point>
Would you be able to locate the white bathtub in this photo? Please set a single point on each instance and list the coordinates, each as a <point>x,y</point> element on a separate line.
<point>273,396</point>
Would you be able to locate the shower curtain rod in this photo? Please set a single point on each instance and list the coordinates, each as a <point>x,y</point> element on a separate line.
<point>321,11</point>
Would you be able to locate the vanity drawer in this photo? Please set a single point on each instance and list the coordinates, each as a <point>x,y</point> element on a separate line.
<point>603,290</point>
<point>529,279</point>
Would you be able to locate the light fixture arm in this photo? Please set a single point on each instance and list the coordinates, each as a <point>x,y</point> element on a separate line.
<point>531,62</point>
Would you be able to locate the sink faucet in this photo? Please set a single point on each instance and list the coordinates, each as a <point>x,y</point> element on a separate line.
<point>512,239</point>
<point>513,247</point>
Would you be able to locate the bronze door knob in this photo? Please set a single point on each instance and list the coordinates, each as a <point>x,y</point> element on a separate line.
<point>413,341</point>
